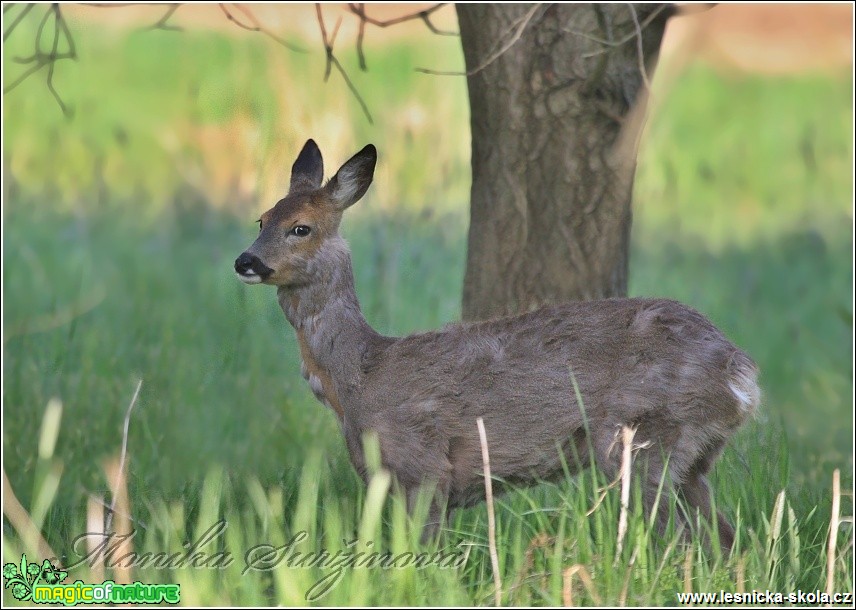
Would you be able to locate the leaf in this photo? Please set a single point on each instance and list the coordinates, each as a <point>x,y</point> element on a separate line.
<point>24,566</point>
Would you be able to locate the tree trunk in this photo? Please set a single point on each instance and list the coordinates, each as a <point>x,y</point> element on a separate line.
<point>557,102</point>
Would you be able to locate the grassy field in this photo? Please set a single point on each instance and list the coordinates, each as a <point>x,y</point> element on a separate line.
<point>120,228</point>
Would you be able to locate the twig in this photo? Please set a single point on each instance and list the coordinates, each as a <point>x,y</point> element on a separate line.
<point>121,470</point>
<point>332,61</point>
<point>618,479</point>
<point>520,24</point>
<point>833,531</point>
<point>328,66</point>
<point>27,8</point>
<point>40,59</point>
<point>335,32</point>
<point>361,32</point>
<point>602,495</point>
<point>162,22</point>
<point>360,11</point>
<point>491,519</point>
<point>256,26</point>
<point>35,68</point>
<point>615,43</point>
<point>627,435</point>
<point>57,20</point>
<point>640,51</point>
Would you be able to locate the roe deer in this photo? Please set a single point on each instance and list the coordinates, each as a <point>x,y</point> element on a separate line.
<point>651,364</point>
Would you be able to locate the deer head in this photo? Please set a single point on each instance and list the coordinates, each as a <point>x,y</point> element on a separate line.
<point>296,231</point>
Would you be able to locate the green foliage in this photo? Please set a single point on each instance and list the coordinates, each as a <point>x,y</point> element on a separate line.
<point>118,256</point>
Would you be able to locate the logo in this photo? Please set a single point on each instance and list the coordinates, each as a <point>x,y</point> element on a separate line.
<point>43,584</point>
<point>23,579</point>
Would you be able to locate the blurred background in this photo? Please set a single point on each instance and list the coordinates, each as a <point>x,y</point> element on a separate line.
<point>122,220</point>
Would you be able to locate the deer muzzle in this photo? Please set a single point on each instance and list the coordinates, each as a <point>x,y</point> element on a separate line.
<point>250,269</point>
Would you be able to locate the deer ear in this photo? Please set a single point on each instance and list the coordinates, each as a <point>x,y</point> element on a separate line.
<point>353,179</point>
<point>308,170</point>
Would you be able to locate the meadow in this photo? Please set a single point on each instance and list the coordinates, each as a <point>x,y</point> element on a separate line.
<point>120,226</point>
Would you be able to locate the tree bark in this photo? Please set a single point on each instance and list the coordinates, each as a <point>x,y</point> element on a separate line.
<point>555,118</point>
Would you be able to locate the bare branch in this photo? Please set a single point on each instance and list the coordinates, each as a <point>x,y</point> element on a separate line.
<point>332,61</point>
<point>611,44</point>
<point>640,51</point>
<point>39,59</point>
<point>256,26</point>
<point>17,20</point>
<point>63,24</point>
<point>335,32</point>
<point>52,64</point>
<point>360,34</point>
<point>520,25</point>
<point>249,22</point>
<point>327,49</point>
<point>621,41</point>
<point>360,11</point>
<point>35,68</point>
<point>426,19</point>
<point>162,22</point>
<point>41,29</point>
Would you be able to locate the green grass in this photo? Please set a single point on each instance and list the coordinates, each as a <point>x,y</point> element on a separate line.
<point>120,230</point>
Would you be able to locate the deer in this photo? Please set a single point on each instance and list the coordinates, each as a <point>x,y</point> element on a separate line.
<point>653,365</point>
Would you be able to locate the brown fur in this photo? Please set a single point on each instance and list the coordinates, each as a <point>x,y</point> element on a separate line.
<point>652,364</point>
<point>328,394</point>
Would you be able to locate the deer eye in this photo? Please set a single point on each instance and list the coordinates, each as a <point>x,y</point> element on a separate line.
<point>301,231</point>
<point>260,223</point>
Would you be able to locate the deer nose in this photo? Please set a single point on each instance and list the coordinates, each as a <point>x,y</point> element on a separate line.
<point>244,263</point>
<point>250,265</point>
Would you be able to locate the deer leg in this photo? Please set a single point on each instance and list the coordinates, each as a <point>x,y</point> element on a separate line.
<point>653,474</point>
<point>696,493</point>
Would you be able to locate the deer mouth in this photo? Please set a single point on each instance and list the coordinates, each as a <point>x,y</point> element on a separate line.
<point>249,277</point>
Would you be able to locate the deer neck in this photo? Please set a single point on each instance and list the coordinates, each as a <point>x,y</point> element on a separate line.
<point>331,331</point>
